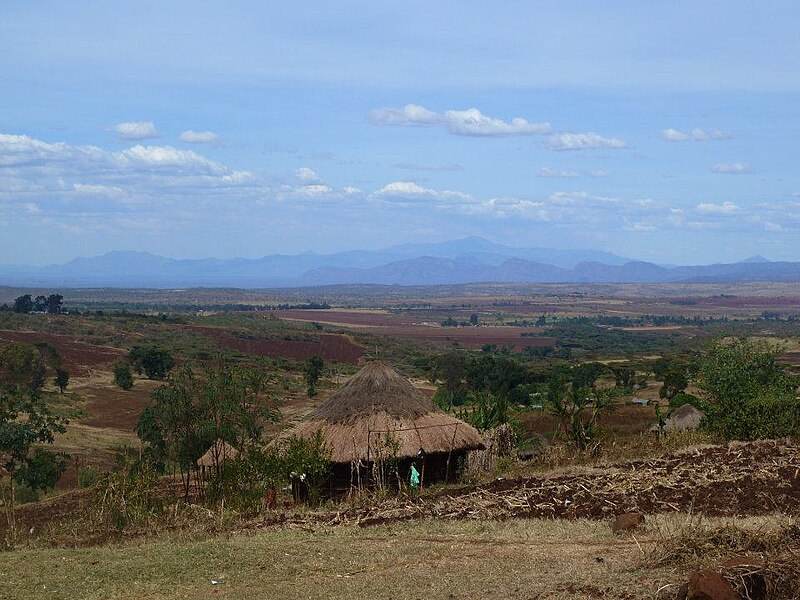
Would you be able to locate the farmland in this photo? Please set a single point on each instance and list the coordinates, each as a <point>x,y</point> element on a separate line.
<point>562,496</point>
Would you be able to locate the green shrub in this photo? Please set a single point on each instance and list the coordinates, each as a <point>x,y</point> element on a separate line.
<point>89,476</point>
<point>749,395</point>
<point>242,483</point>
<point>123,376</point>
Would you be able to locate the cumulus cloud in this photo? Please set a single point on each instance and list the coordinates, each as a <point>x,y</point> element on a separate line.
<point>134,130</point>
<point>409,190</point>
<point>695,135</point>
<point>199,137</point>
<point>583,141</point>
<point>736,168</point>
<point>726,208</point>
<point>458,122</point>
<point>306,174</point>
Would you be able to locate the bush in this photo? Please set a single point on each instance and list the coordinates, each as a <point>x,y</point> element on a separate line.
<point>682,398</point>
<point>128,496</point>
<point>154,362</point>
<point>243,483</point>
<point>123,376</point>
<point>749,395</point>
<point>89,476</point>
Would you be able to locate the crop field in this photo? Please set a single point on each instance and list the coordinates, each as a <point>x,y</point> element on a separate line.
<point>416,325</point>
<point>451,539</point>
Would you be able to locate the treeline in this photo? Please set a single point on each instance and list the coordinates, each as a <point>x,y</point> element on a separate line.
<point>52,304</point>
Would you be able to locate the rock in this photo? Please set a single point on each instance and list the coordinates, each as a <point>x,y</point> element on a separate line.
<point>683,591</point>
<point>747,570</point>
<point>709,585</point>
<point>627,522</point>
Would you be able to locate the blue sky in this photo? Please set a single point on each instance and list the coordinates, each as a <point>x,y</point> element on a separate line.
<point>663,131</point>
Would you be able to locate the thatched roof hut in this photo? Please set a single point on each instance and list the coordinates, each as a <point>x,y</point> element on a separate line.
<point>219,452</point>
<point>684,418</point>
<point>377,406</point>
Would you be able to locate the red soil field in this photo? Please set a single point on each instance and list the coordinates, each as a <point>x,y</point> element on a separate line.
<point>407,327</point>
<point>77,357</point>
<point>329,346</point>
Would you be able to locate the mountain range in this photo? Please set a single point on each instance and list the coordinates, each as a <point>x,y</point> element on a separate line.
<point>467,260</point>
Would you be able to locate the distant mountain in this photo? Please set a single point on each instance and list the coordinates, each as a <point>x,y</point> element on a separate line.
<point>468,260</point>
<point>755,259</point>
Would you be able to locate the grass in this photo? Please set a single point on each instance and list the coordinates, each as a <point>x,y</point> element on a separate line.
<point>514,559</point>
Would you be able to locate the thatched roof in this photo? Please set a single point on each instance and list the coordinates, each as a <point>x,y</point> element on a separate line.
<point>221,450</point>
<point>375,403</point>
<point>684,418</point>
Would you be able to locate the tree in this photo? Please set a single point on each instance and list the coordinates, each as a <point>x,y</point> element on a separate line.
<point>675,382</point>
<point>61,379</point>
<point>577,410</point>
<point>200,405</point>
<point>313,370</point>
<point>154,362</point>
<point>473,319</point>
<point>54,304</point>
<point>25,420</point>
<point>23,304</point>
<point>123,376</point>
<point>40,304</point>
<point>21,367</point>
<point>451,371</point>
<point>749,395</point>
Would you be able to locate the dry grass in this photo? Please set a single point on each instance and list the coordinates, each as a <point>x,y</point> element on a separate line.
<point>772,542</point>
<point>518,559</point>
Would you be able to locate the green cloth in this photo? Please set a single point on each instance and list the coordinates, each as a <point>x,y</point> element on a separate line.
<point>414,481</point>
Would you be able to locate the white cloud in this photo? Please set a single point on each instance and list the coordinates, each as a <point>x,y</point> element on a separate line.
<point>640,227</point>
<point>409,116</point>
<point>95,189</point>
<point>458,122</point>
<point>166,156</point>
<point>405,190</point>
<point>32,208</point>
<point>583,141</point>
<point>770,226</point>
<point>473,122</point>
<point>726,208</point>
<point>199,137</point>
<point>306,174</point>
<point>548,172</point>
<point>736,168</point>
<point>568,173</point>
<point>695,135</point>
<point>134,130</point>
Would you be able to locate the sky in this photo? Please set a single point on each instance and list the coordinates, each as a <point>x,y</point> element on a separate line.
<point>664,131</point>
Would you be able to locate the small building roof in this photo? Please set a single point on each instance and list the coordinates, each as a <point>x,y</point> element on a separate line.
<point>219,452</point>
<point>378,408</point>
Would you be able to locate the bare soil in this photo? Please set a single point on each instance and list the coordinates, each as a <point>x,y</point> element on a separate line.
<point>77,357</point>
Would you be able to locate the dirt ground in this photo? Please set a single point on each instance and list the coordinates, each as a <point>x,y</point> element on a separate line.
<point>77,357</point>
<point>329,346</point>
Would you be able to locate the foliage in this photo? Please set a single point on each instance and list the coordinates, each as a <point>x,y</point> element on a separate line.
<point>577,411</point>
<point>21,367</point>
<point>61,379</point>
<point>23,304</point>
<point>749,394</point>
<point>682,398</point>
<point>675,382</point>
<point>242,483</point>
<point>313,371</point>
<point>197,407</point>
<point>89,476</point>
<point>129,495</point>
<point>485,411</point>
<point>122,375</point>
<point>310,459</point>
<point>154,362</point>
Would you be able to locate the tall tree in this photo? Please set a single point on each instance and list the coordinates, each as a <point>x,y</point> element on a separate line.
<point>61,379</point>
<point>154,362</point>
<point>314,366</point>
<point>54,304</point>
<point>23,304</point>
